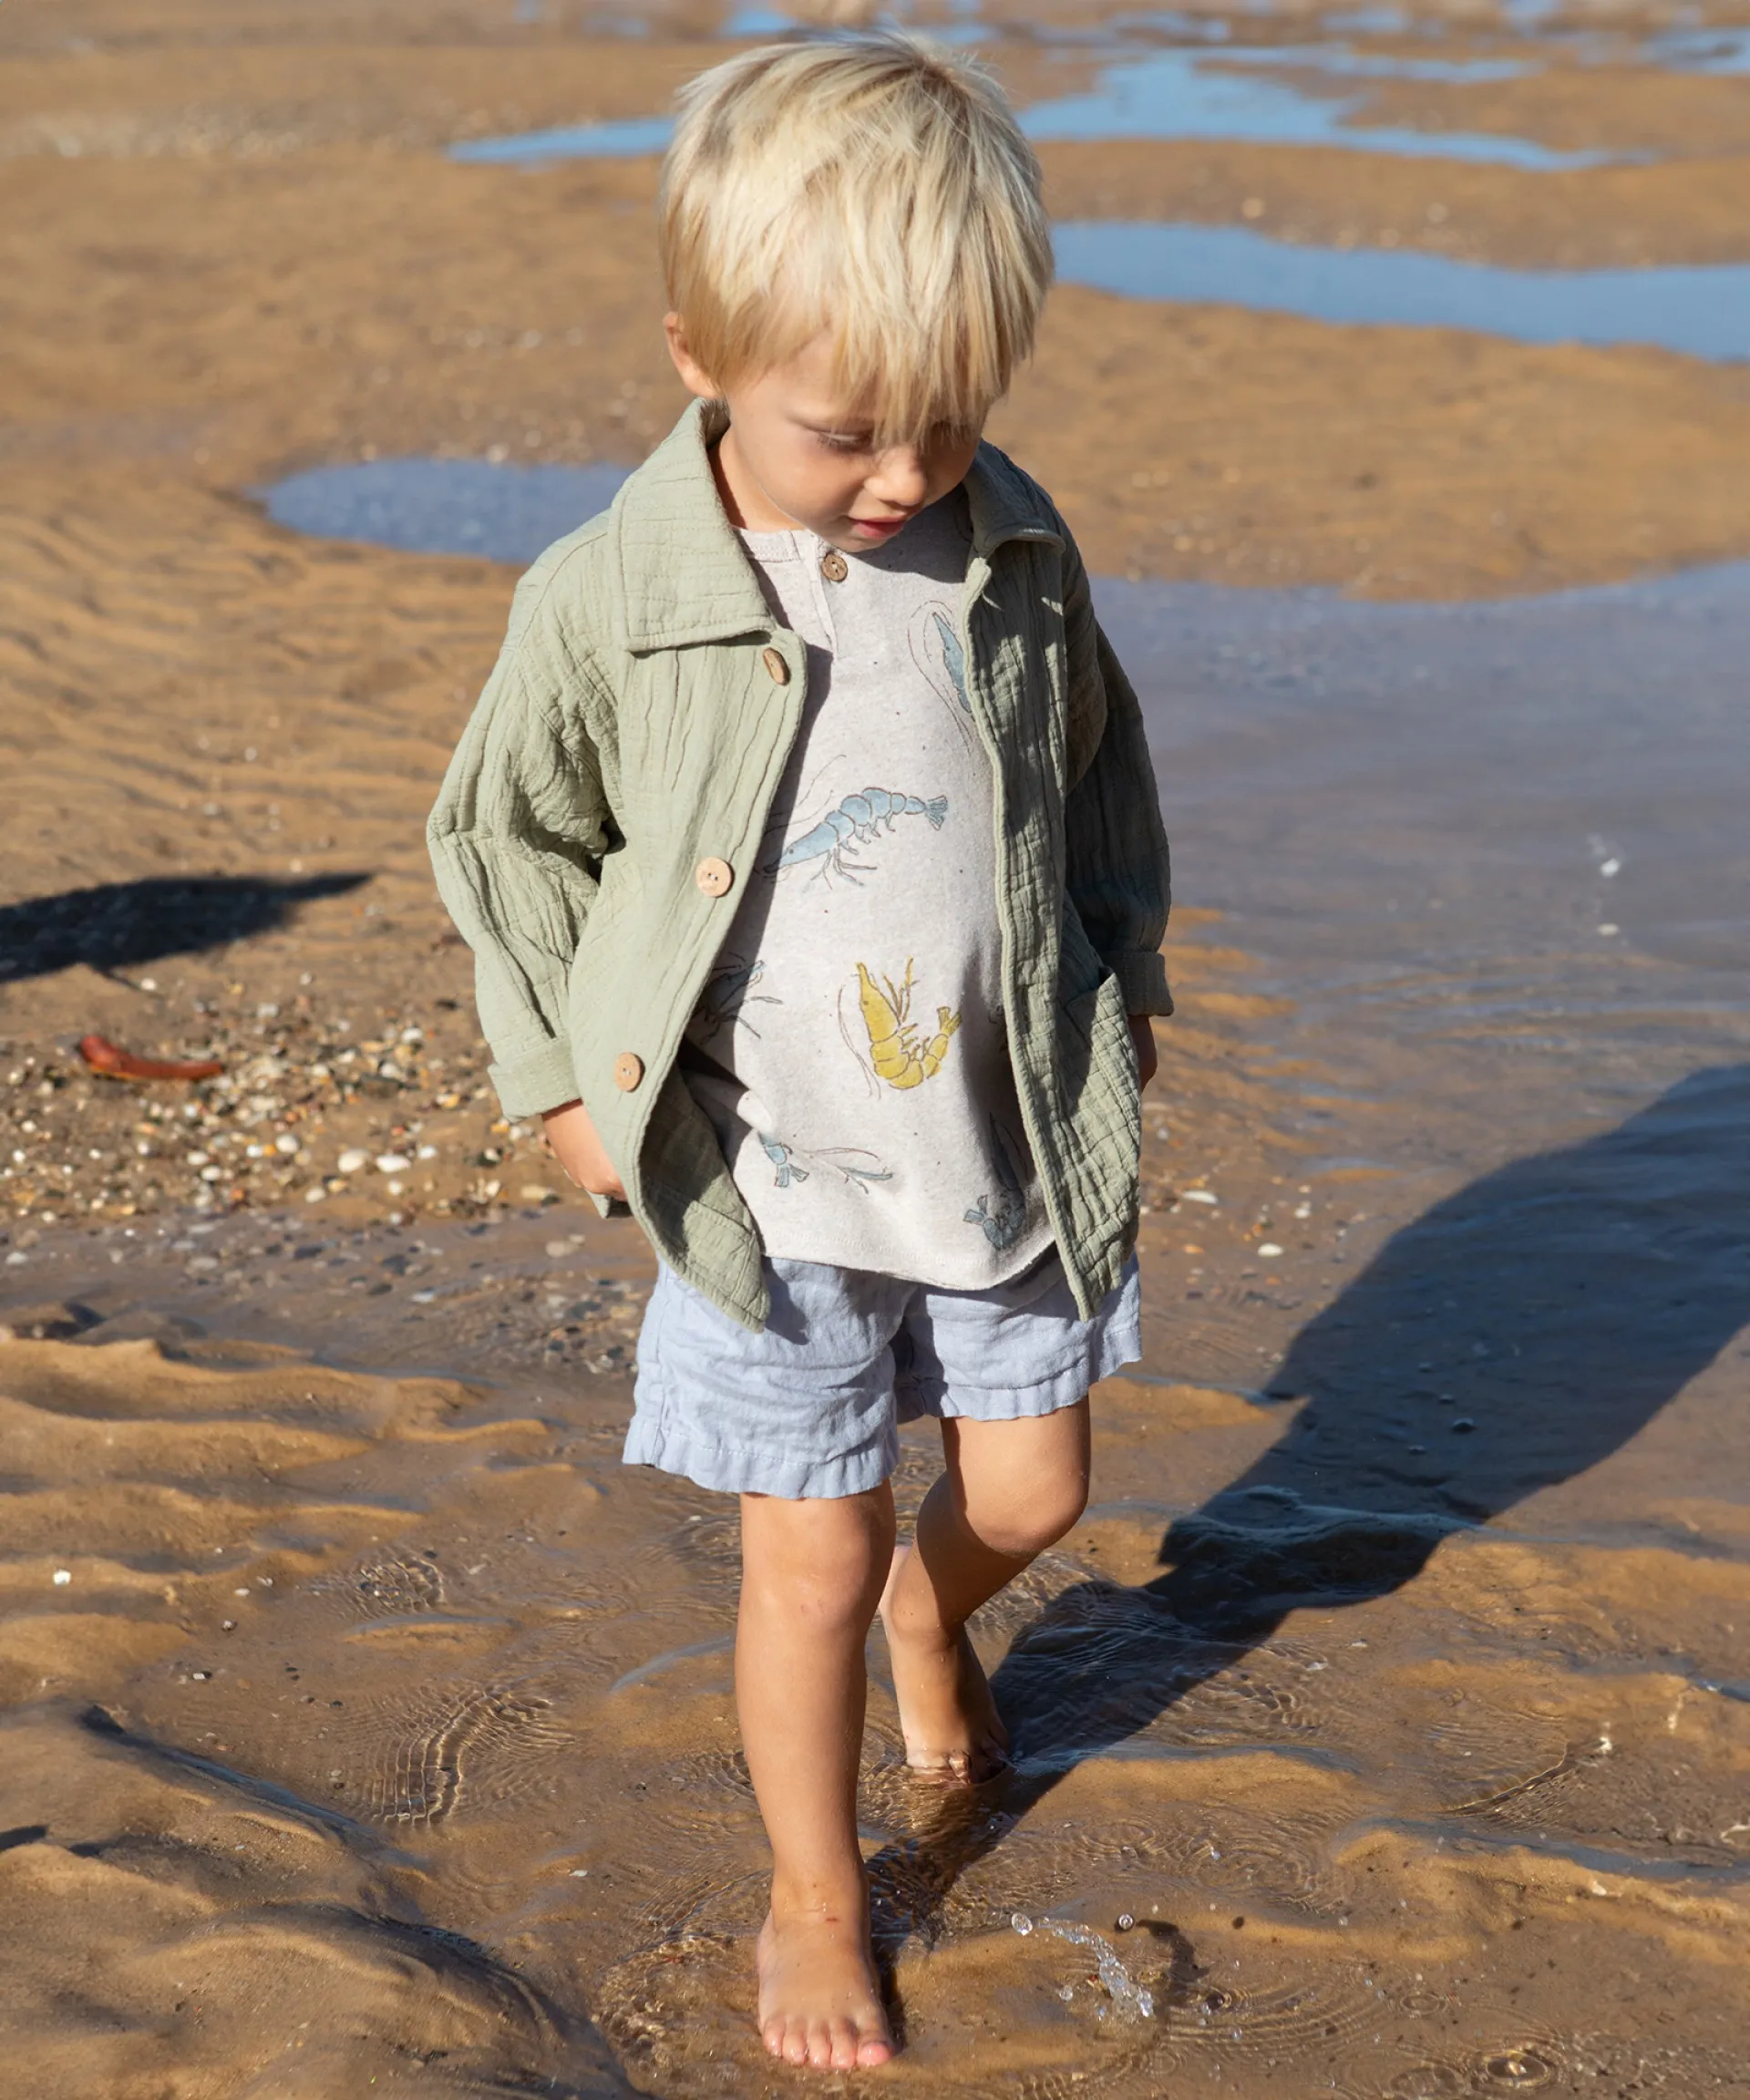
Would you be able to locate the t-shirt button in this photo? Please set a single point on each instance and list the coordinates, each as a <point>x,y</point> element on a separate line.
<point>715,877</point>
<point>833,566</point>
<point>628,1070</point>
<point>774,662</point>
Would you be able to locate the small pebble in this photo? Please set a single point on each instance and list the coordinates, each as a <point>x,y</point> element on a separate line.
<point>392,1163</point>
<point>1269,1250</point>
<point>63,1576</point>
<point>1197,1196</point>
<point>286,1143</point>
<point>351,1159</point>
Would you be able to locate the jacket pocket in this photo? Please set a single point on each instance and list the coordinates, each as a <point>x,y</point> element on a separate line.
<point>596,943</point>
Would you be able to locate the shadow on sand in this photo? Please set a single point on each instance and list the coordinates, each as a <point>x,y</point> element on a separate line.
<point>116,924</point>
<point>1513,1336</point>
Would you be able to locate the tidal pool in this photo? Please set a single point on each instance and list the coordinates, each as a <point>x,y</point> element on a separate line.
<point>1703,311</point>
<point>503,513</point>
<point>1227,93</point>
<point>1231,93</point>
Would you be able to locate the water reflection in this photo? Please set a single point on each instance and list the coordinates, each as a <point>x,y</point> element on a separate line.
<point>502,513</point>
<point>1175,94</point>
<point>1703,311</point>
<point>1237,93</point>
<point>621,138</point>
<point>1720,50</point>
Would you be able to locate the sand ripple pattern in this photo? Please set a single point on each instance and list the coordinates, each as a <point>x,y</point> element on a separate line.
<point>455,1748</point>
<point>386,1586</point>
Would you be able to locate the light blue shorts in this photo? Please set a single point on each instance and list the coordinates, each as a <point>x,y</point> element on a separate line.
<point>812,1406</point>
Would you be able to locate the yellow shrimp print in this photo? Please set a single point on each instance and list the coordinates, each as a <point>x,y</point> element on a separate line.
<point>893,1046</point>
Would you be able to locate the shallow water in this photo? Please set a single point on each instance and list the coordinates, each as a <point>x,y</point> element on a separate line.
<point>444,506</point>
<point>1724,50</point>
<point>1231,92</point>
<point>1386,1701</point>
<point>1702,312</point>
<point>1226,94</point>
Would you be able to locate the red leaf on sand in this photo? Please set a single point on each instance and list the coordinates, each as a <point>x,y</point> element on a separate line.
<point>115,1062</point>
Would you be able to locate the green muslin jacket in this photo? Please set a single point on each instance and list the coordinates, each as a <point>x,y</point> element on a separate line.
<point>621,765</point>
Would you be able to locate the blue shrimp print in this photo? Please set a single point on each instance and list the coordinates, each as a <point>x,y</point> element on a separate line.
<point>844,1160</point>
<point>954,657</point>
<point>1003,1215</point>
<point>856,822</point>
<point>787,1173</point>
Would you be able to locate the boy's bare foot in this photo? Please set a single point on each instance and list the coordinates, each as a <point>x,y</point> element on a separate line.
<point>947,1716</point>
<point>818,2001</point>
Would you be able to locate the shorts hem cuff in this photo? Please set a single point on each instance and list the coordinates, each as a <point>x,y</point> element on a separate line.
<point>726,1470</point>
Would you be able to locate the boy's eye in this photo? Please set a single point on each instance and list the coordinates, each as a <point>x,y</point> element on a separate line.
<point>843,441</point>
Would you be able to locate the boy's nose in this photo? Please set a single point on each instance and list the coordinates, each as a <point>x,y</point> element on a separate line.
<point>900,478</point>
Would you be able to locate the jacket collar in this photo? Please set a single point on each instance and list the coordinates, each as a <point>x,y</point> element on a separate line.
<point>683,575</point>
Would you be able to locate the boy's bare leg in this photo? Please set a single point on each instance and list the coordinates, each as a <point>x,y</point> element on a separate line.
<point>1010,1489</point>
<point>811,1576</point>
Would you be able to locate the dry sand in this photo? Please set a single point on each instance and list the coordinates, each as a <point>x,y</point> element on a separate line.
<point>380,1734</point>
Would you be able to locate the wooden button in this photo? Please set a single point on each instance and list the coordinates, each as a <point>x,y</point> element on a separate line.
<point>833,566</point>
<point>774,662</point>
<point>715,877</point>
<point>628,1070</point>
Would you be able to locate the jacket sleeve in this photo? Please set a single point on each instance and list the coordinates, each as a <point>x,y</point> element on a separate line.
<point>1118,874</point>
<point>517,840</point>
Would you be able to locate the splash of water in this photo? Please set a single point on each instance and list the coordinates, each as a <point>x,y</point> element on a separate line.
<point>1129,1996</point>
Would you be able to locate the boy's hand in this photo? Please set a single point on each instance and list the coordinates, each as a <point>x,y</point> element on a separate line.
<point>580,1151</point>
<point>1142,1034</point>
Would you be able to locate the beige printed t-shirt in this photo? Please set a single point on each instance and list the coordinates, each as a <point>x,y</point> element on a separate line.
<point>849,1048</point>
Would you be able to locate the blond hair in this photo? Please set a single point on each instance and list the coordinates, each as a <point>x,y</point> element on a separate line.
<point>872,187</point>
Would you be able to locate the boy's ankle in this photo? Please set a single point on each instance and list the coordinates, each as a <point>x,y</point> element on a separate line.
<point>839,1901</point>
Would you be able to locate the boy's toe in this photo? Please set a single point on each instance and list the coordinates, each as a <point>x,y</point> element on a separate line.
<point>821,2045</point>
<point>844,2045</point>
<point>871,2050</point>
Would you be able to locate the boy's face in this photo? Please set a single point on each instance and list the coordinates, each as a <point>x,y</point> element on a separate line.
<point>796,454</point>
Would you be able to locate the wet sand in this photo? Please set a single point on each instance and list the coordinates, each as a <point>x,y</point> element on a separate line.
<point>367,1721</point>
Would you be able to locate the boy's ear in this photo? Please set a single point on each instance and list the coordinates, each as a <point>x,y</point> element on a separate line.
<point>694,376</point>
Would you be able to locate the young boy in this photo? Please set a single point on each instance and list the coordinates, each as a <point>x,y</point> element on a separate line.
<point>806,840</point>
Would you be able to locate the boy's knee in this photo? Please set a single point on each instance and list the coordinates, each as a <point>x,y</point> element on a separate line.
<point>838,1594</point>
<point>822,1561</point>
<point>1020,1528</point>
